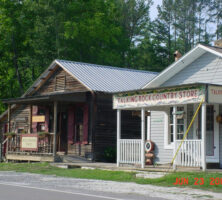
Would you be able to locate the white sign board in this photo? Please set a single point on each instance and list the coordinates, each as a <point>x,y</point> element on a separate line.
<point>215,94</point>
<point>160,97</point>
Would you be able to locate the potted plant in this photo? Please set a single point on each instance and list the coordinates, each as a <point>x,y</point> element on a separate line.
<point>9,135</point>
<point>43,134</point>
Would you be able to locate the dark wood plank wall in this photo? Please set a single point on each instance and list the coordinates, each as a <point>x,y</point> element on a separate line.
<point>61,81</point>
<point>20,118</point>
<point>105,133</point>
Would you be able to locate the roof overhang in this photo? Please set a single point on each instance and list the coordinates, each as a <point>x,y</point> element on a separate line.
<point>179,65</point>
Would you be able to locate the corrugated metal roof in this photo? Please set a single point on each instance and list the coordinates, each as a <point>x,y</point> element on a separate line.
<point>106,78</point>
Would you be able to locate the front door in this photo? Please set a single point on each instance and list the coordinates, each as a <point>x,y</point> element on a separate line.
<point>212,134</point>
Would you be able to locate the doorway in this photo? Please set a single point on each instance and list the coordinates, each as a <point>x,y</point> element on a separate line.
<point>62,128</point>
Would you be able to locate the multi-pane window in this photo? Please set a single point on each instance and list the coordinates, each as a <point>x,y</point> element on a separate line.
<point>180,123</point>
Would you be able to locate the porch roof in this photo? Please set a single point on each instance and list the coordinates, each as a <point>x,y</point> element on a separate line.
<point>58,96</point>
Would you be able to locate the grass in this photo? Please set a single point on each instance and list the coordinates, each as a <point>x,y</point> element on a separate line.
<point>167,180</point>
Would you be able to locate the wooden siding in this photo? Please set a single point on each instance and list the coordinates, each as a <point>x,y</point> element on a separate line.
<point>206,69</point>
<point>105,133</point>
<point>162,155</point>
<point>20,118</point>
<point>220,139</point>
<point>83,150</point>
<point>61,81</point>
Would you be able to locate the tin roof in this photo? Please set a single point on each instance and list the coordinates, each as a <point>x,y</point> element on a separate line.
<point>106,78</point>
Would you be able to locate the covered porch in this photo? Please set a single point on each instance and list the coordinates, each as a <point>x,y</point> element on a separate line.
<point>183,122</point>
<point>46,126</point>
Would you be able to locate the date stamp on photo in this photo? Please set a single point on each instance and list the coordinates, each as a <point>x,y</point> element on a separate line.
<point>198,181</point>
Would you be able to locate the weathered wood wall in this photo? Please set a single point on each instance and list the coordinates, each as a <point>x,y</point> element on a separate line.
<point>105,131</point>
<point>60,81</point>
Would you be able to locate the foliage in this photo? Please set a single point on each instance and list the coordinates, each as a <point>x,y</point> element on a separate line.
<point>110,154</point>
<point>116,32</point>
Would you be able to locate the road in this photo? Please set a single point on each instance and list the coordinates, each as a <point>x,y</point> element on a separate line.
<point>27,186</point>
<point>11,192</point>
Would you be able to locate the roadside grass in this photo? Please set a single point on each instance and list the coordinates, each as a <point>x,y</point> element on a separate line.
<point>167,180</point>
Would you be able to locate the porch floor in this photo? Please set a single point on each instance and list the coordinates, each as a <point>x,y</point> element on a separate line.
<point>112,166</point>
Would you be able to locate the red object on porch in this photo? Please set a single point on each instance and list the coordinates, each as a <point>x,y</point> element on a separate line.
<point>85,124</point>
<point>71,125</point>
<point>34,124</point>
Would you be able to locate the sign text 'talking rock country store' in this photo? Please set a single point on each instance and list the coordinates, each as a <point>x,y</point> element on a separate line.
<point>152,98</point>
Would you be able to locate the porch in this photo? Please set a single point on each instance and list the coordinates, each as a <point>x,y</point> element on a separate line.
<point>179,146</point>
<point>47,127</point>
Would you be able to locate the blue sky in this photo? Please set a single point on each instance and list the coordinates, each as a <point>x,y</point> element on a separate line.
<point>153,10</point>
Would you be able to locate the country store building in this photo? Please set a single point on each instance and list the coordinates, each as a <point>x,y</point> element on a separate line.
<point>72,101</point>
<point>92,108</point>
<point>173,98</point>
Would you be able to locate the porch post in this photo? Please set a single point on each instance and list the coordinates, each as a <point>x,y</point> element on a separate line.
<point>9,117</point>
<point>149,126</point>
<point>30,118</point>
<point>203,141</point>
<point>174,134</point>
<point>55,129</point>
<point>142,138</point>
<point>118,135</point>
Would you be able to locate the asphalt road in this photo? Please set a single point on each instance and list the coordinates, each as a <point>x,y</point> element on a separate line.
<point>20,192</point>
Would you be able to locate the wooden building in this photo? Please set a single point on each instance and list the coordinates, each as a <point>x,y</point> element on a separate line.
<point>68,111</point>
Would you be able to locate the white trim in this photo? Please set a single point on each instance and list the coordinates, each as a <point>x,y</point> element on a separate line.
<point>118,136</point>
<point>203,133</point>
<point>142,137</point>
<point>166,132</point>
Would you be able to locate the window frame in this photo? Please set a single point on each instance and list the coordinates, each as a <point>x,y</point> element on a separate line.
<point>167,127</point>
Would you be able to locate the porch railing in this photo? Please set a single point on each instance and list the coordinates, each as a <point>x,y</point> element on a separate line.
<point>130,151</point>
<point>45,145</point>
<point>189,154</point>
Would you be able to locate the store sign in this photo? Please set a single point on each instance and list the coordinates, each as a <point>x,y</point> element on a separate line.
<point>38,118</point>
<point>160,97</point>
<point>215,94</point>
<point>29,142</point>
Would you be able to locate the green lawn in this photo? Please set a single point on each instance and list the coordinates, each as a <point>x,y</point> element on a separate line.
<point>168,180</point>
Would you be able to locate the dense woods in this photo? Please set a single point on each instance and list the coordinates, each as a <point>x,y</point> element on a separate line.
<point>112,32</point>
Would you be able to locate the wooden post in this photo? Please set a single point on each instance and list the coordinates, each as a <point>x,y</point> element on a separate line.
<point>174,134</point>
<point>118,136</point>
<point>30,118</point>
<point>142,138</point>
<point>9,117</point>
<point>203,132</point>
<point>149,126</point>
<point>55,129</point>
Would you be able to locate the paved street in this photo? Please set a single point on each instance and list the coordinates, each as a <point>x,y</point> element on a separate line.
<point>26,186</point>
<point>9,192</point>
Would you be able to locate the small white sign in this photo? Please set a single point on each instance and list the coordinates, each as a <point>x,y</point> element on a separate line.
<point>215,94</point>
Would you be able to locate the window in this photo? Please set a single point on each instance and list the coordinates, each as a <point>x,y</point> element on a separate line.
<point>181,121</point>
<point>60,83</point>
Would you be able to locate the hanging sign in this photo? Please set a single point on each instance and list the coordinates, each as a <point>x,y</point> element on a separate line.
<point>215,94</point>
<point>29,142</point>
<point>160,97</point>
<point>38,118</point>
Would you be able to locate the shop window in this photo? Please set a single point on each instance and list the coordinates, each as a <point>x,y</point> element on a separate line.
<point>181,118</point>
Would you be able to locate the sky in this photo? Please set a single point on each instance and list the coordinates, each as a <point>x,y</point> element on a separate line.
<point>153,10</point>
